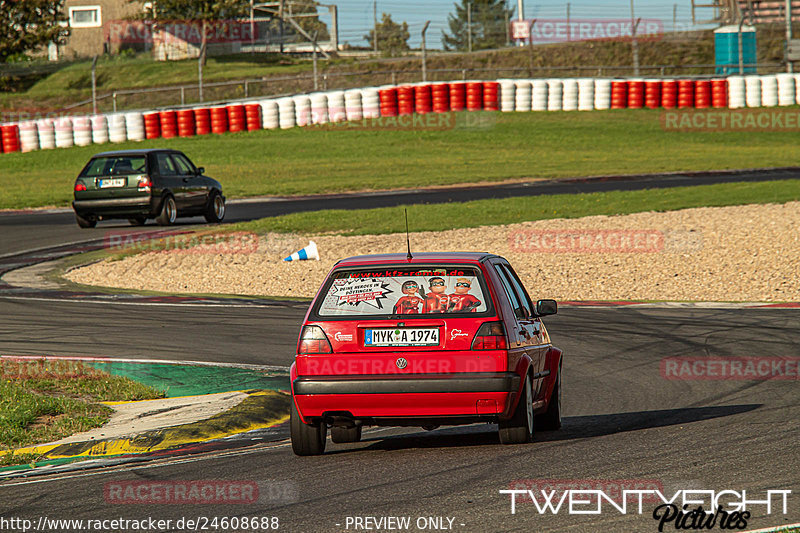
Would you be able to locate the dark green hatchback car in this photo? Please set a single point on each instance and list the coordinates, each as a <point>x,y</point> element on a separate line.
<point>140,184</point>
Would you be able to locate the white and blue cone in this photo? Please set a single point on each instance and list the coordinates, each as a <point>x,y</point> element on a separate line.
<point>309,252</point>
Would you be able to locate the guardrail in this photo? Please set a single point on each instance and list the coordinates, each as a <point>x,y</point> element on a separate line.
<point>188,94</point>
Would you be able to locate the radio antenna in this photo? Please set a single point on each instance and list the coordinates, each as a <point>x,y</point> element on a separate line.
<point>408,240</point>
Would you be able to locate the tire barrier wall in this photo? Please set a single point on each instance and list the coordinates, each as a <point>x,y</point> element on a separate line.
<point>503,95</point>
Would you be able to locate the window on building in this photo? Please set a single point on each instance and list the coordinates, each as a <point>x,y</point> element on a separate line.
<point>85,17</point>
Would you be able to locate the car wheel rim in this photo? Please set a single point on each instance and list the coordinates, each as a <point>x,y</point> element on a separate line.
<point>219,207</point>
<point>529,405</point>
<point>171,210</point>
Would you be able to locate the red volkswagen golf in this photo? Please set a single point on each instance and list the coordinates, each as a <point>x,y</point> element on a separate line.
<point>437,339</point>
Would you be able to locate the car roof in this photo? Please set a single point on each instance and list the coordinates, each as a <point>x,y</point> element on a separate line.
<point>418,258</point>
<point>141,151</point>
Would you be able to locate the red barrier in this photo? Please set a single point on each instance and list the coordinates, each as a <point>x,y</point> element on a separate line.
<point>652,94</point>
<point>186,124</point>
<point>474,96</point>
<point>685,94</point>
<point>237,118</point>
<point>702,94</point>
<point>152,125</point>
<point>719,93</point>
<point>635,94</point>
<point>219,119</point>
<point>491,101</point>
<point>440,94</point>
<point>253,116</point>
<point>388,101</point>
<point>423,101</point>
<point>169,124</point>
<point>619,94</point>
<point>405,100</point>
<point>458,96</point>
<point>9,134</point>
<point>669,94</point>
<point>202,120</point>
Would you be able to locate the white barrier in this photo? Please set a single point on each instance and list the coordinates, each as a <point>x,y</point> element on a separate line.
<point>82,131</point>
<point>337,110</point>
<point>570,94</point>
<point>585,94</point>
<point>786,89</point>
<point>134,126</point>
<point>302,110</point>
<point>286,113</point>
<point>63,128</point>
<point>539,95</point>
<point>523,94</point>
<point>116,128</point>
<point>555,92</point>
<point>99,129</point>
<point>752,91</point>
<point>602,94</point>
<point>28,136</point>
<point>737,92</point>
<point>507,93</point>
<point>352,105</point>
<point>769,91</point>
<point>47,133</point>
<point>270,114</point>
<point>319,108</point>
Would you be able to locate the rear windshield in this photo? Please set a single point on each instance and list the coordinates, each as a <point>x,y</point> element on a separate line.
<point>109,166</point>
<point>392,291</point>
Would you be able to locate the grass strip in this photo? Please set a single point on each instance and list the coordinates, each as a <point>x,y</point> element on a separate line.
<point>46,400</point>
<point>439,217</point>
<point>480,148</point>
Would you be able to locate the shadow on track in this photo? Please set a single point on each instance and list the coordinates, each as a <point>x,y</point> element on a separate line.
<point>574,427</point>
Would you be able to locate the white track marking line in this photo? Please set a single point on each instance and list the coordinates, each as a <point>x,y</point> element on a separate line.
<point>774,529</point>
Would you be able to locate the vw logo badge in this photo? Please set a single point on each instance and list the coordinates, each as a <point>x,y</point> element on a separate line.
<point>401,363</point>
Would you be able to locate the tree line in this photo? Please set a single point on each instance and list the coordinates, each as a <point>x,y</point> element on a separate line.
<point>30,25</point>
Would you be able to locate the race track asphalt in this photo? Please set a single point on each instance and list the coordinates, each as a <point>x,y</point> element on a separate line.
<point>625,423</point>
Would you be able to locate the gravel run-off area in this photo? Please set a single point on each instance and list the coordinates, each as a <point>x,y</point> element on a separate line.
<point>742,253</point>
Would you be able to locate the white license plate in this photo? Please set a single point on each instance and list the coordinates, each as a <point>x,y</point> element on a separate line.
<point>111,182</point>
<point>401,337</point>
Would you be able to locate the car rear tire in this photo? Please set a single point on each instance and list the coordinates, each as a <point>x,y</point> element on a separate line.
<point>341,435</point>
<point>137,220</point>
<point>215,211</point>
<point>519,429</point>
<point>307,439</point>
<point>86,222</point>
<point>169,212</point>
<point>550,420</point>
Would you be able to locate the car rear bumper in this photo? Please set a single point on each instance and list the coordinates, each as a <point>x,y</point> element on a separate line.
<point>406,396</point>
<point>136,205</point>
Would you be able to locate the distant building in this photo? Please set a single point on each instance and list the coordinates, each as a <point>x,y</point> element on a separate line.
<point>87,20</point>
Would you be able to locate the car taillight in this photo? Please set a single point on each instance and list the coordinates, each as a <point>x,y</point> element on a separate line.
<point>313,340</point>
<point>145,183</point>
<point>490,336</point>
<point>80,186</point>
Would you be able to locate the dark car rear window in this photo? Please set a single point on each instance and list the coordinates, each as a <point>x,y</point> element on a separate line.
<point>114,165</point>
<point>403,291</point>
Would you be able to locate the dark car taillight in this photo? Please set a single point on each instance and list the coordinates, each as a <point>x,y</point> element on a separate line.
<point>80,186</point>
<point>490,336</point>
<point>313,340</point>
<point>145,183</point>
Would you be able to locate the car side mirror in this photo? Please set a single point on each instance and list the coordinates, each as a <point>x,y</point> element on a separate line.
<point>201,170</point>
<point>546,307</point>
